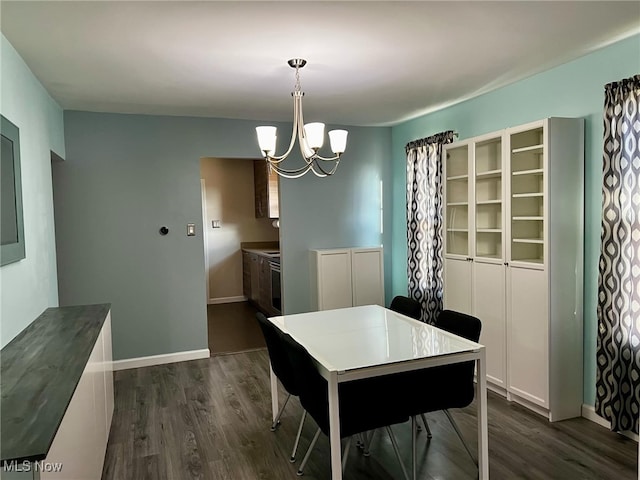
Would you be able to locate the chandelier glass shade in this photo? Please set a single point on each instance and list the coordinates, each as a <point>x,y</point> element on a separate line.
<point>310,139</point>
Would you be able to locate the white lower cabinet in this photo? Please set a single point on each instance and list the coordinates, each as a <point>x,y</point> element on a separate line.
<point>346,277</point>
<point>528,335</point>
<point>489,305</point>
<point>81,440</point>
<point>367,278</point>
<point>457,287</point>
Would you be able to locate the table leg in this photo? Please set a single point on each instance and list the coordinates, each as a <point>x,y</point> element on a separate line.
<point>334,427</point>
<point>483,429</point>
<point>274,394</point>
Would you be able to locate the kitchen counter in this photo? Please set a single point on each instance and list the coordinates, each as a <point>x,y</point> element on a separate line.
<point>266,252</point>
<point>269,250</point>
<point>39,372</point>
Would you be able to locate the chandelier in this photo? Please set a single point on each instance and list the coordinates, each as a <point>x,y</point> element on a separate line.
<point>310,139</point>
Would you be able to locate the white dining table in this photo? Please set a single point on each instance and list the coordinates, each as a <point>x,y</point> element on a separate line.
<point>362,342</point>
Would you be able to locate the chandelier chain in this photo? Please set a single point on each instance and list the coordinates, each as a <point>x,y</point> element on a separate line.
<point>297,87</point>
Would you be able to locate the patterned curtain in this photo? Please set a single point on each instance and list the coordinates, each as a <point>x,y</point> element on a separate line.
<point>618,349</point>
<point>424,222</point>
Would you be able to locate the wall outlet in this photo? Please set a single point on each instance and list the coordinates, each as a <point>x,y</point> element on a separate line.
<point>215,224</point>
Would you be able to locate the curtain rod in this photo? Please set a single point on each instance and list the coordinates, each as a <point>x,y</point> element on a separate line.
<point>442,137</point>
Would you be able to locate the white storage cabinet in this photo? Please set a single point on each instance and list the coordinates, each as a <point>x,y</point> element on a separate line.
<point>513,223</point>
<point>346,277</point>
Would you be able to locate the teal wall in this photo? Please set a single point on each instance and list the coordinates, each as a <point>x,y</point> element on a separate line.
<point>30,286</point>
<point>127,175</point>
<point>575,89</point>
<point>340,211</point>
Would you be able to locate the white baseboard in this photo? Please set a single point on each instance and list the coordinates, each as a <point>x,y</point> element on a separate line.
<point>160,359</point>
<point>589,413</point>
<point>215,301</point>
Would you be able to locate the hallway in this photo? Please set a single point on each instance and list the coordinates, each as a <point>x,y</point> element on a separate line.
<point>232,328</point>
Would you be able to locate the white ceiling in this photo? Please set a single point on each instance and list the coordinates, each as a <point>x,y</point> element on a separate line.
<point>370,63</point>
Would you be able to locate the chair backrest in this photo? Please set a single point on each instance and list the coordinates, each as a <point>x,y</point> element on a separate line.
<point>277,355</point>
<point>365,404</point>
<point>313,390</point>
<point>447,386</point>
<point>460,324</point>
<point>406,306</point>
<point>465,326</point>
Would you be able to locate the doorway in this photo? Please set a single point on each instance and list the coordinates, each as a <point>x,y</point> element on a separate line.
<point>229,220</point>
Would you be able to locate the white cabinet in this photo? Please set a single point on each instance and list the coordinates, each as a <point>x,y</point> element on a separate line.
<point>346,277</point>
<point>81,440</point>
<point>513,225</point>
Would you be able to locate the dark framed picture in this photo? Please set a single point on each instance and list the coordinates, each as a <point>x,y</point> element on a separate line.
<point>11,216</point>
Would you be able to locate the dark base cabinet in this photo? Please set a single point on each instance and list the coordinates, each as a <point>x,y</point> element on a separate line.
<point>257,282</point>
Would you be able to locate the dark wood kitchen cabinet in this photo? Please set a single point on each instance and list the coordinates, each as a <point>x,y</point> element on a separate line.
<point>256,281</point>
<point>266,186</point>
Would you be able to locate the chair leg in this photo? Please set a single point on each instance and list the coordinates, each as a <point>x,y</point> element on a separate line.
<point>295,445</point>
<point>345,454</point>
<point>455,427</point>
<point>306,456</point>
<point>394,442</point>
<point>277,420</point>
<point>414,433</point>
<point>367,443</point>
<point>426,425</point>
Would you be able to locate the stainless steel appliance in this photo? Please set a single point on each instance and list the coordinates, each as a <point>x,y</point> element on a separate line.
<point>276,293</point>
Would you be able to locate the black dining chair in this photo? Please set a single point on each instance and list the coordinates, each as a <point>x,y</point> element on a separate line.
<point>411,308</point>
<point>365,404</point>
<point>284,371</point>
<point>406,306</point>
<point>449,386</point>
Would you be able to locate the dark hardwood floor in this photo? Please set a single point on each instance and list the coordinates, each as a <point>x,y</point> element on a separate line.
<point>233,328</point>
<point>209,419</point>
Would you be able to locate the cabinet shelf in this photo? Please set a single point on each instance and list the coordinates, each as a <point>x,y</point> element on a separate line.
<point>537,241</point>
<point>465,230</point>
<point>493,256</point>
<point>489,174</point>
<point>535,171</point>
<point>528,260</point>
<point>537,261</point>
<point>457,204</point>
<point>531,148</point>
<point>488,202</point>
<point>528,218</point>
<point>528,195</point>
<point>489,230</point>
<point>458,177</point>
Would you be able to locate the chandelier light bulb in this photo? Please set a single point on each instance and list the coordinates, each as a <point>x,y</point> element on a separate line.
<point>314,133</point>
<point>267,138</point>
<point>338,141</point>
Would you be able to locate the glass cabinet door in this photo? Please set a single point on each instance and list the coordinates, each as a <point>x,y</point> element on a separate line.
<point>457,200</point>
<point>488,198</point>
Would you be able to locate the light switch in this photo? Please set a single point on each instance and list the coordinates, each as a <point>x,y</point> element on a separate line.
<point>191,229</point>
<point>215,224</point>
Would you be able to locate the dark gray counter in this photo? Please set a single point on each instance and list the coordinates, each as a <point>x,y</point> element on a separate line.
<point>39,371</point>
